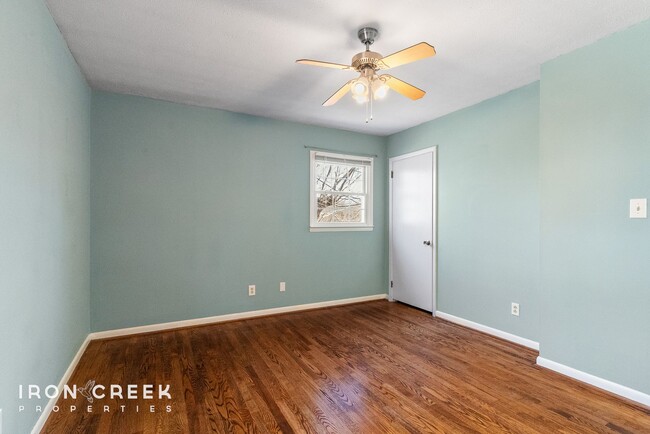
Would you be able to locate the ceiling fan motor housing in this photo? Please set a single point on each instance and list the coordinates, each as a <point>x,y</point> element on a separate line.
<point>366,59</point>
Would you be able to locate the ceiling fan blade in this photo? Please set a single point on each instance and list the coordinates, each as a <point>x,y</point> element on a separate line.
<point>403,87</point>
<point>323,64</point>
<point>408,55</point>
<point>338,94</point>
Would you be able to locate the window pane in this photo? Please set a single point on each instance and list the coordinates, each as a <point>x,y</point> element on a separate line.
<point>340,177</point>
<point>335,208</point>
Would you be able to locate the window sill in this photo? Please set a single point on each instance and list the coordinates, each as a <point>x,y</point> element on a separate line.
<point>342,229</point>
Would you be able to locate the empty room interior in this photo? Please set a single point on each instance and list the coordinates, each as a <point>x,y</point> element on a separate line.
<point>324,216</point>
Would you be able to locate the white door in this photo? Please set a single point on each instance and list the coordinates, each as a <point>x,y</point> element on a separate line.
<point>412,228</point>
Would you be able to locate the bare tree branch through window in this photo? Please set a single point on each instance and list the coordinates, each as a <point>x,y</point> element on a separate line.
<point>341,186</point>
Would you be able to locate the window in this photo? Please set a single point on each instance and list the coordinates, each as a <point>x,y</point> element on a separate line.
<point>341,192</point>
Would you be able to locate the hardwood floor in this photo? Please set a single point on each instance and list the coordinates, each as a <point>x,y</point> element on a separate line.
<point>375,367</point>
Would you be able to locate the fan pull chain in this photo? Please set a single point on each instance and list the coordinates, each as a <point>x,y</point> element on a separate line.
<point>367,110</point>
<point>369,104</point>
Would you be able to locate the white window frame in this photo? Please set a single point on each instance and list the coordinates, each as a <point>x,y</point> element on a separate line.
<point>314,225</point>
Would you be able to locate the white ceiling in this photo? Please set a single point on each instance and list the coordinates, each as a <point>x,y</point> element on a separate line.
<point>239,55</point>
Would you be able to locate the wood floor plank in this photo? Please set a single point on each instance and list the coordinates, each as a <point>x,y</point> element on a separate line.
<point>374,367</point>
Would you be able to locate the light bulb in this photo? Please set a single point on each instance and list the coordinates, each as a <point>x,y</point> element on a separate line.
<point>380,91</point>
<point>379,87</point>
<point>358,88</point>
<point>360,98</point>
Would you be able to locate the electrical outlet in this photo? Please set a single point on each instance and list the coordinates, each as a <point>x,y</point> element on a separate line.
<point>283,286</point>
<point>514,309</point>
<point>251,290</point>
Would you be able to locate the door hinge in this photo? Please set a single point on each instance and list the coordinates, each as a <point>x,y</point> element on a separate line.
<point>391,283</point>
<point>391,174</point>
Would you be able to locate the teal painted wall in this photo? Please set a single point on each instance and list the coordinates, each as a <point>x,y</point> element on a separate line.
<point>488,208</point>
<point>191,205</point>
<point>45,206</point>
<point>595,156</point>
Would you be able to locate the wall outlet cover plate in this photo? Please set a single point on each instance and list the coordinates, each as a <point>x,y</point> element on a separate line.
<point>514,309</point>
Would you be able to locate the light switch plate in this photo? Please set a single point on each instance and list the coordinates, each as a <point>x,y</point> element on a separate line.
<point>638,208</point>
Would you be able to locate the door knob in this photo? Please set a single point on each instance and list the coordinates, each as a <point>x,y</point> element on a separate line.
<point>427,243</point>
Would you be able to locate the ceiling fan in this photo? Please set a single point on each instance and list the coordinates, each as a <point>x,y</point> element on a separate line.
<point>369,85</point>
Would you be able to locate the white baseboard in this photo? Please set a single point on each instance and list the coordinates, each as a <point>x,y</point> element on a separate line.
<point>489,330</point>
<point>230,317</point>
<point>601,383</point>
<point>66,376</point>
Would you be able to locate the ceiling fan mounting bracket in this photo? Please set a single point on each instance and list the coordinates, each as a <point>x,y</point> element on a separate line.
<point>367,36</point>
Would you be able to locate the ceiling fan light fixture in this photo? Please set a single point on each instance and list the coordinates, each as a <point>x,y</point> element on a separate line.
<point>359,87</point>
<point>360,98</point>
<point>379,88</point>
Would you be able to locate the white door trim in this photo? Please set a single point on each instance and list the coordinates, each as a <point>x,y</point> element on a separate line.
<point>434,230</point>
